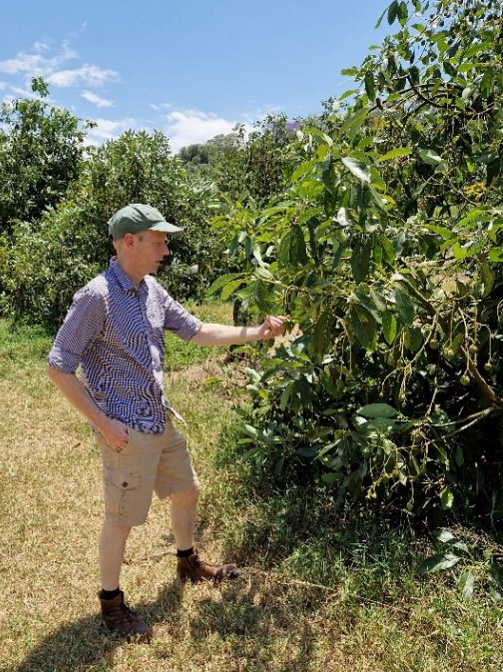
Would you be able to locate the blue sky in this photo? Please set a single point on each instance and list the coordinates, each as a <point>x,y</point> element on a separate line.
<point>190,68</point>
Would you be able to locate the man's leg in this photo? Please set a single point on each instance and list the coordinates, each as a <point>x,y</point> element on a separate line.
<point>117,616</point>
<point>177,478</point>
<point>183,521</point>
<point>128,482</point>
<point>183,516</point>
<point>111,554</point>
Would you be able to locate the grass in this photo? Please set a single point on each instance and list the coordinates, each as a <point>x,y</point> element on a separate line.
<point>319,590</point>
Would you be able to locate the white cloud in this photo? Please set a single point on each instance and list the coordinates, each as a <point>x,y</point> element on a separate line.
<point>88,75</point>
<point>188,127</point>
<point>96,100</point>
<point>22,93</point>
<point>108,129</point>
<point>45,61</point>
<point>33,63</point>
<point>37,62</point>
<point>3,85</point>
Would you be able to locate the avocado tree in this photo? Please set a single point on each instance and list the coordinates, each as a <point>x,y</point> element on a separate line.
<point>41,148</point>
<point>385,252</point>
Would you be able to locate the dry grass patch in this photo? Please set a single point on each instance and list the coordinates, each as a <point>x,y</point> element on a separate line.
<point>266,621</point>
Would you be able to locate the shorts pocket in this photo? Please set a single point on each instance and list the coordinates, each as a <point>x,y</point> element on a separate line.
<point>121,492</point>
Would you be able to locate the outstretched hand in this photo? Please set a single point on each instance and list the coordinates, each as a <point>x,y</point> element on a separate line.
<point>272,326</point>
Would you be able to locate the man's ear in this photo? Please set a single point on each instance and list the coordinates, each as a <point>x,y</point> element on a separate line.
<point>128,239</point>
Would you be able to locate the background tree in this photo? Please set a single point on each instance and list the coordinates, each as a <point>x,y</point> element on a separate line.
<point>239,165</point>
<point>40,152</point>
<point>43,263</point>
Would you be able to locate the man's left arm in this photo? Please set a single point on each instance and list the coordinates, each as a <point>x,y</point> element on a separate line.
<point>221,334</point>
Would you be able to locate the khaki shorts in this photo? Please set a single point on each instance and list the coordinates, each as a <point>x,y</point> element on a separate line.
<point>148,463</point>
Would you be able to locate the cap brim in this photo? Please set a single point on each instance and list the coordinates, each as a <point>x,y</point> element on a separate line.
<point>165,227</point>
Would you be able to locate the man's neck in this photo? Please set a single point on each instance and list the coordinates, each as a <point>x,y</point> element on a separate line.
<point>130,272</point>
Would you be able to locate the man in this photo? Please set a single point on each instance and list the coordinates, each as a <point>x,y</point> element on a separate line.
<point>114,331</point>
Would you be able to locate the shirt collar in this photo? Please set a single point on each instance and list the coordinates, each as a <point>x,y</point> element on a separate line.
<point>122,278</point>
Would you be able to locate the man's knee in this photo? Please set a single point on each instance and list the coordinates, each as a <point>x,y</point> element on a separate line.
<point>189,496</point>
<point>117,531</point>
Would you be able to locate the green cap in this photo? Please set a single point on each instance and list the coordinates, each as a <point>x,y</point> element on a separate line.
<point>137,217</point>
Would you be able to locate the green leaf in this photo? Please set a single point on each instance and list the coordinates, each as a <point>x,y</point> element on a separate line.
<point>298,245</point>
<point>470,67</point>
<point>223,280</point>
<point>459,252</point>
<point>262,294</point>
<point>496,254</point>
<point>377,411</point>
<point>450,69</point>
<point>379,20</point>
<point>323,332</point>
<point>414,75</point>
<point>444,536</point>
<point>251,431</point>
<point>388,249</point>
<point>292,249</point>
<point>395,153</point>
<point>330,478</point>
<point>360,261</point>
<point>325,139</point>
<point>353,122</point>
<point>351,72</point>
<point>487,277</point>
<point>437,563</point>
<point>447,499</point>
<point>430,157</point>
<point>389,327</point>
<point>378,299</point>
<point>229,288</point>
<point>446,234</point>
<point>392,12</point>
<point>403,13</point>
<point>368,303</point>
<point>327,174</point>
<point>370,87</point>
<point>466,584</point>
<point>304,168</point>
<point>458,456</point>
<point>358,168</point>
<point>285,396</point>
<point>404,306</point>
<point>363,326</point>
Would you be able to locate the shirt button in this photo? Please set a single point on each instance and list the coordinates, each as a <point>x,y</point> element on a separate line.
<point>125,484</point>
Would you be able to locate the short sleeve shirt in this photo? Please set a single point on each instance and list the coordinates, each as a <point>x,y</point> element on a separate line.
<point>115,332</point>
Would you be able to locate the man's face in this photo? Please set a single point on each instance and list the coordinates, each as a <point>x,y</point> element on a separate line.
<point>149,249</point>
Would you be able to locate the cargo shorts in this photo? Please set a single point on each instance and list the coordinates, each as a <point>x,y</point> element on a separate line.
<point>149,463</point>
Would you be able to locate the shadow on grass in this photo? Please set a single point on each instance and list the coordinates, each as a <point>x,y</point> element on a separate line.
<point>245,616</point>
<point>87,642</point>
<point>254,620</point>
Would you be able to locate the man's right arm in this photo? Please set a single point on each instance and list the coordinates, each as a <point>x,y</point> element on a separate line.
<point>82,325</point>
<point>114,432</point>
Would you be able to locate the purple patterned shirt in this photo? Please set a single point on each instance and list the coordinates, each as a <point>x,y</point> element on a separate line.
<point>115,332</point>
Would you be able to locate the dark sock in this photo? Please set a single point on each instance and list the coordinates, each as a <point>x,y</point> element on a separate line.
<point>184,554</point>
<point>109,594</point>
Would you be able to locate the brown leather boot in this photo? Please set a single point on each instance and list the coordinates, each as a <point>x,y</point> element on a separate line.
<point>119,618</point>
<point>194,569</point>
